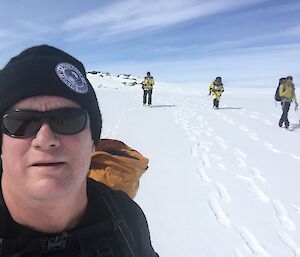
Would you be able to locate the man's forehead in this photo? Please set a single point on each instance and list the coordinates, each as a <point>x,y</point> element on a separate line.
<point>45,102</point>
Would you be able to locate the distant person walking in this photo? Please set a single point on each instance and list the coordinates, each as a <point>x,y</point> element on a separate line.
<point>287,94</point>
<point>147,86</point>
<point>216,89</point>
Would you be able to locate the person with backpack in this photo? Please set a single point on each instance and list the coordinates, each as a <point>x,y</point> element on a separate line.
<point>147,86</point>
<point>287,95</point>
<point>216,89</point>
<point>51,124</point>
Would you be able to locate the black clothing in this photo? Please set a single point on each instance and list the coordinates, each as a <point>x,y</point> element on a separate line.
<point>216,103</point>
<point>113,226</point>
<point>284,117</point>
<point>149,93</point>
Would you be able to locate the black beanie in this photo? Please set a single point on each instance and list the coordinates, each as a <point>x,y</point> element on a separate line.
<point>45,70</point>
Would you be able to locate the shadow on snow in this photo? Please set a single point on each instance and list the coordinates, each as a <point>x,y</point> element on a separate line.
<point>163,105</point>
<point>230,108</point>
<point>296,125</point>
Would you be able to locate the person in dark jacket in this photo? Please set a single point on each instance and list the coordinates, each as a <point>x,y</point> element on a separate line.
<point>51,123</point>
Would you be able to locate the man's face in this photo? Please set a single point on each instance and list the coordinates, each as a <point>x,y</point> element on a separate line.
<point>48,165</point>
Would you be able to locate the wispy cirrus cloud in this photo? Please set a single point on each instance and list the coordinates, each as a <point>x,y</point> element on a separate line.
<point>294,31</point>
<point>7,34</point>
<point>7,38</point>
<point>33,28</point>
<point>132,15</point>
<point>23,31</point>
<point>253,43</point>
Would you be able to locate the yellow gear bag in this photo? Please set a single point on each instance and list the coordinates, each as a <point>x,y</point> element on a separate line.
<point>118,166</point>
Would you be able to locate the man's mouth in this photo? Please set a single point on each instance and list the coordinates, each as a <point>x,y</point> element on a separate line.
<point>47,164</point>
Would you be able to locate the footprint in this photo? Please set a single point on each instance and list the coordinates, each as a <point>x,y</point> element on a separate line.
<point>257,192</point>
<point>210,130</point>
<point>206,148</point>
<point>186,126</point>
<point>290,243</point>
<point>231,122</point>
<point>222,192</point>
<point>220,139</point>
<point>219,213</point>
<point>297,208</point>
<point>204,177</point>
<point>257,175</point>
<point>252,243</point>
<point>243,128</point>
<point>253,117</point>
<point>268,122</point>
<point>222,166</point>
<point>209,134</point>
<point>194,152</point>
<point>271,147</point>
<point>240,156</point>
<point>240,153</point>
<point>282,215</point>
<point>241,162</point>
<point>297,157</point>
<point>223,145</point>
<point>254,136</point>
<point>205,161</point>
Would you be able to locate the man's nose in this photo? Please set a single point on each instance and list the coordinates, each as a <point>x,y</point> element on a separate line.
<point>45,138</point>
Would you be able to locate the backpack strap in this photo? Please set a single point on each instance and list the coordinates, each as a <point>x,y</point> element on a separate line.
<point>116,223</point>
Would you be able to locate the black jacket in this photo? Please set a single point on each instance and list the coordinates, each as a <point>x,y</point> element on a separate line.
<point>113,225</point>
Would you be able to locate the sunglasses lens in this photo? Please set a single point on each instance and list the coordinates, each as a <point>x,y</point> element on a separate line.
<point>23,123</point>
<point>20,124</point>
<point>68,121</point>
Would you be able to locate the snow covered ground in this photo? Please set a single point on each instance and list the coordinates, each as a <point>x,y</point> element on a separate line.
<point>220,183</point>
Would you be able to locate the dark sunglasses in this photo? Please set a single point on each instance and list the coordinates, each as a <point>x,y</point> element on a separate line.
<point>27,123</point>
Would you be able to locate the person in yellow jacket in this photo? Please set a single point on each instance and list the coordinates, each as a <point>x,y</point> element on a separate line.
<point>147,86</point>
<point>216,89</point>
<point>287,94</point>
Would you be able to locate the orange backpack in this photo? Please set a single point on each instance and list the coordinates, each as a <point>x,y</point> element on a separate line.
<point>118,166</point>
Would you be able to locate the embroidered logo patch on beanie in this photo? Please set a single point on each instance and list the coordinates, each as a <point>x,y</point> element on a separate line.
<point>72,77</point>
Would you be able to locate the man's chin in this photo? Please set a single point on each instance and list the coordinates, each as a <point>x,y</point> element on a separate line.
<point>51,188</point>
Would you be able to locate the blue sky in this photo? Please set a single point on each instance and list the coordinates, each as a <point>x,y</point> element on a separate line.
<point>247,42</point>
